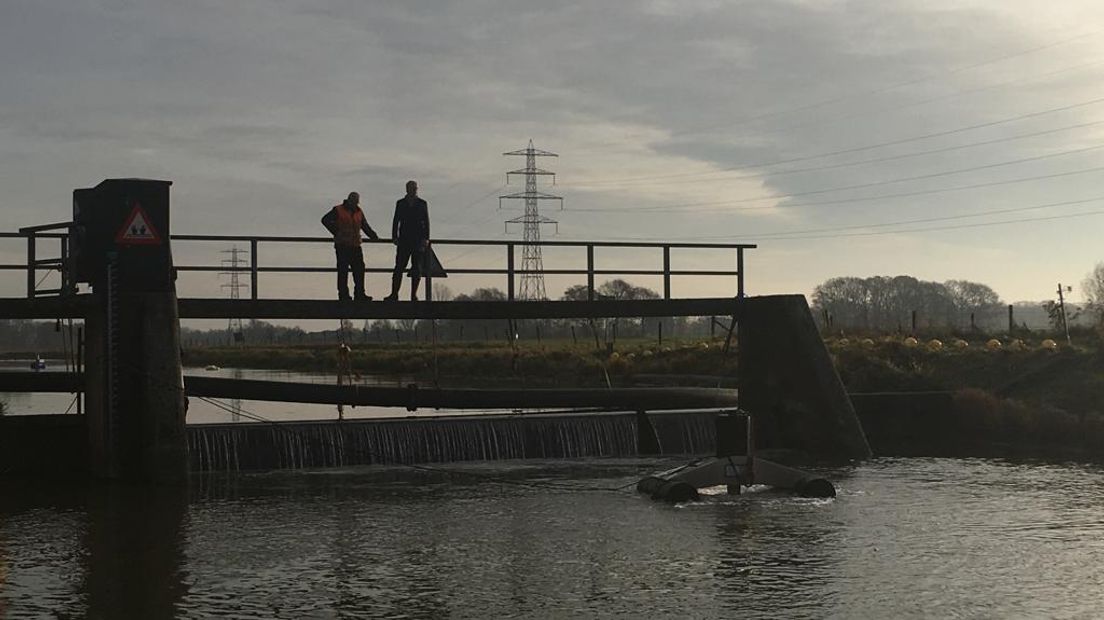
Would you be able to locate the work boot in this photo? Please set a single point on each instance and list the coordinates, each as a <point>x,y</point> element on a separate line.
<point>363,297</point>
<point>392,297</point>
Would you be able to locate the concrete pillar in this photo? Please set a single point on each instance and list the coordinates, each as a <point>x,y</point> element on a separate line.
<point>647,440</point>
<point>96,404</point>
<point>788,383</point>
<point>135,391</point>
<point>150,397</point>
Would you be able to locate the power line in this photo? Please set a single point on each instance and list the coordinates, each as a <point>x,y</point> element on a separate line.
<point>953,227</point>
<point>891,107</point>
<point>932,175</point>
<point>874,91</point>
<point>938,134</point>
<point>868,113</point>
<point>877,160</point>
<point>878,91</point>
<point>892,232</point>
<point>687,207</point>
<point>471,204</point>
<point>783,234</point>
<point>480,222</point>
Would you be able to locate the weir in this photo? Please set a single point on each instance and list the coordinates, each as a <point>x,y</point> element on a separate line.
<point>56,445</point>
<point>119,243</point>
<point>237,447</point>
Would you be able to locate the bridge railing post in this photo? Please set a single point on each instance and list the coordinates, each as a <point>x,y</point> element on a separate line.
<point>740,272</point>
<point>510,271</point>
<point>590,271</point>
<point>31,265</point>
<point>253,269</point>
<point>63,267</point>
<point>666,272</point>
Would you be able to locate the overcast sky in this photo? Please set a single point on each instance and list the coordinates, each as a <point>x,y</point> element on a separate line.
<point>823,131</point>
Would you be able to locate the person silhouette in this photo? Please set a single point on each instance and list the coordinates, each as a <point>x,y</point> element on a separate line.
<point>410,234</point>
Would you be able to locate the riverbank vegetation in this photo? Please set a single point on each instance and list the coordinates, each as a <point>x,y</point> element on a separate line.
<point>555,362</point>
<point>1033,391</point>
<point>1027,394</point>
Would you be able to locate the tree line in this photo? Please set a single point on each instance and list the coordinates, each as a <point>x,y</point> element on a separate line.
<point>890,303</point>
<point>887,303</point>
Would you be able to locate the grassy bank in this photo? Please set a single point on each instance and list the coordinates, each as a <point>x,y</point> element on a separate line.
<point>1020,399</point>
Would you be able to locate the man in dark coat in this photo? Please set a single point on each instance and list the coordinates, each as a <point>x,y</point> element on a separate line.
<point>345,222</point>
<point>410,234</point>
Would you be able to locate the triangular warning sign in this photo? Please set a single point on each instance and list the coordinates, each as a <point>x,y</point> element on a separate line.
<point>138,229</point>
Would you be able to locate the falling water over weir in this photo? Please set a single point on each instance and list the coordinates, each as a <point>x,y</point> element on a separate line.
<point>294,445</point>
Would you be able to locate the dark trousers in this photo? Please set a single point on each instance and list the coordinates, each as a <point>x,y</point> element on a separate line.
<point>404,252</point>
<point>349,259</point>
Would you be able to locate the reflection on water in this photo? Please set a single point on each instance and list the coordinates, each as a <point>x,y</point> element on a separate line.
<point>905,538</point>
<point>24,403</point>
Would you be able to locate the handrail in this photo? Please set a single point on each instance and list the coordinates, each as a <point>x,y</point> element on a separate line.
<point>490,242</point>
<point>34,230</point>
<point>511,271</point>
<point>19,235</point>
<point>34,264</point>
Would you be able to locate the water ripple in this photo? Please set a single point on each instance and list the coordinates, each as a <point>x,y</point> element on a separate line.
<point>903,538</point>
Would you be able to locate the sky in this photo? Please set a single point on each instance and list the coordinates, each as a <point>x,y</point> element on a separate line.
<point>944,139</point>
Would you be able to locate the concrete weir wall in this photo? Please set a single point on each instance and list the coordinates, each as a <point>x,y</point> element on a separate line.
<point>56,445</point>
<point>220,447</point>
<point>788,383</point>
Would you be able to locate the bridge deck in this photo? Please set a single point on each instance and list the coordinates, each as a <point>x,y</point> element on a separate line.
<point>190,308</point>
<point>74,307</point>
<point>633,399</point>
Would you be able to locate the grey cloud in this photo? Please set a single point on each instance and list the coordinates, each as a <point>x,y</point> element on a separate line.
<point>279,105</point>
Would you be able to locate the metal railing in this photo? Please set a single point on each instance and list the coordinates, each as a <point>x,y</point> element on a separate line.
<point>34,264</point>
<point>34,234</point>
<point>511,272</point>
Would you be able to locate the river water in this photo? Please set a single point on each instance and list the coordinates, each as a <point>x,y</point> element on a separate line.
<point>933,538</point>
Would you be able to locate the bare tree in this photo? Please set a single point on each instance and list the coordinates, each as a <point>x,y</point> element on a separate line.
<point>441,292</point>
<point>973,298</point>
<point>888,302</point>
<point>1093,287</point>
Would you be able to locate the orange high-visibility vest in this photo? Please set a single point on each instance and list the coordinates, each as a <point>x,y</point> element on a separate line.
<point>348,226</point>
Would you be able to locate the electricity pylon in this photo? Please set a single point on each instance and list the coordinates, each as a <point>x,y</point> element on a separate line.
<point>233,264</point>
<point>532,264</point>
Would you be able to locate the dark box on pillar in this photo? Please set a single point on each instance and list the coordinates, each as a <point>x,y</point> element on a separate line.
<point>125,219</point>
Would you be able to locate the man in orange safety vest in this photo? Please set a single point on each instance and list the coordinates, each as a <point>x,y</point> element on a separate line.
<point>345,222</point>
